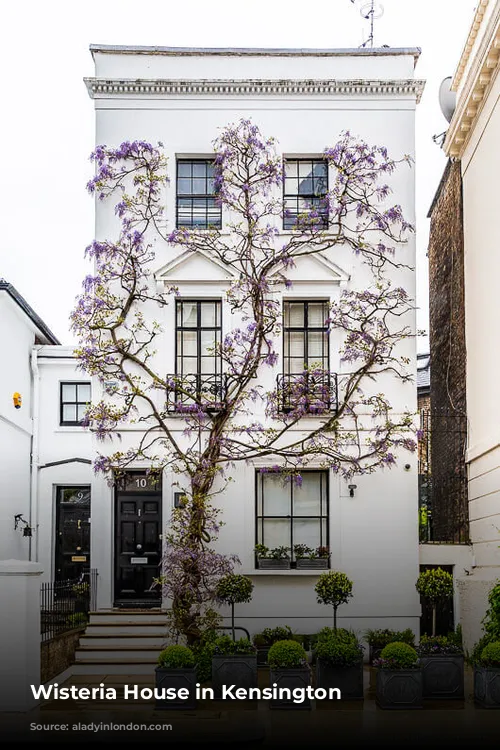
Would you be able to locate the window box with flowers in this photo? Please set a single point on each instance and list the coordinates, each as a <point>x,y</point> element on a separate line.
<point>277,558</point>
<point>311,559</point>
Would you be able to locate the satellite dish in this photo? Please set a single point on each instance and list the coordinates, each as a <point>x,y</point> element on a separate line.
<point>447,98</point>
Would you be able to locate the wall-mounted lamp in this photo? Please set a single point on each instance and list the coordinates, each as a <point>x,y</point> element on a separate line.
<point>18,520</point>
<point>351,488</point>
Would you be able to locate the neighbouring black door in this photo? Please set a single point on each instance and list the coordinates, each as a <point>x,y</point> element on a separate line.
<point>137,540</point>
<point>72,549</point>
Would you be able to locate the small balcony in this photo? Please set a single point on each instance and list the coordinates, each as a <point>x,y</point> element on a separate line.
<point>314,392</point>
<point>194,392</point>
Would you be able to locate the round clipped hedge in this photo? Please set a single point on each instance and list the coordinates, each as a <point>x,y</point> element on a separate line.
<point>398,655</point>
<point>176,657</point>
<point>286,655</point>
<point>490,655</point>
<point>234,589</point>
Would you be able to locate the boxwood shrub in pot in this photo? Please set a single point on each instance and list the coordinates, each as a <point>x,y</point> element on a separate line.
<point>176,669</point>
<point>233,663</point>
<point>399,677</point>
<point>379,638</point>
<point>264,640</point>
<point>442,662</point>
<point>487,676</point>
<point>339,663</point>
<point>288,668</point>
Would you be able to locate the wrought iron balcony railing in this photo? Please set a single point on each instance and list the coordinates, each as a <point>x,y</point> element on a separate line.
<point>188,393</point>
<point>313,392</point>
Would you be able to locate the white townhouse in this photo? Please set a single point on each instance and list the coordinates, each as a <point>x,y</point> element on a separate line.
<point>305,98</point>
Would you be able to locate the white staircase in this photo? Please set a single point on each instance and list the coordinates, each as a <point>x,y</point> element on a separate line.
<point>121,642</point>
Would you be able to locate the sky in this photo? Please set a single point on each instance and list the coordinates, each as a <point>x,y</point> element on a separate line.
<point>47,122</point>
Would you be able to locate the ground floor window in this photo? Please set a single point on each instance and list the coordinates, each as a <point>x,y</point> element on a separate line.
<point>292,513</point>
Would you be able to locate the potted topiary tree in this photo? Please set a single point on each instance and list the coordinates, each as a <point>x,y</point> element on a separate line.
<point>288,668</point>
<point>435,585</point>
<point>487,676</point>
<point>233,663</point>
<point>333,588</point>
<point>339,662</point>
<point>399,677</point>
<point>234,589</point>
<point>176,669</point>
<point>264,640</point>
<point>442,662</point>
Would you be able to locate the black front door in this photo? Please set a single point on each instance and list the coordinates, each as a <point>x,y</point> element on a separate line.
<point>138,543</point>
<point>72,548</point>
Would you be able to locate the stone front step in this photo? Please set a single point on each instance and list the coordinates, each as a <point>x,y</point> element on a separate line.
<point>124,654</point>
<point>126,628</point>
<point>128,616</point>
<point>106,668</point>
<point>120,640</point>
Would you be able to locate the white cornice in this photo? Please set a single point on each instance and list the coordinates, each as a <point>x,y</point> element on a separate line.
<point>482,72</point>
<point>103,87</point>
<point>469,44</point>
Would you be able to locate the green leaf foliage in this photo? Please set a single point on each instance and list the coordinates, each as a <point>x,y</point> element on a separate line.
<point>225,645</point>
<point>435,584</point>
<point>333,588</point>
<point>397,655</point>
<point>379,638</point>
<point>490,655</point>
<point>339,648</point>
<point>176,657</point>
<point>234,589</point>
<point>286,655</point>
<point>272,635</point>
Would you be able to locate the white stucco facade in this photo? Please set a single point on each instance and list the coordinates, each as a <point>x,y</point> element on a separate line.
<point>473,139</point>
<point>305,99</point>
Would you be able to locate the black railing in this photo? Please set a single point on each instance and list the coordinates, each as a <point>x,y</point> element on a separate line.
<point>309,392</point>
<point>65,605</point>
<point>443,490</point>
<point>186,393</point>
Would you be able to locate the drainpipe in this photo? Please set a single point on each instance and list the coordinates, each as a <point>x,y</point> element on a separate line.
<point>34,451</point>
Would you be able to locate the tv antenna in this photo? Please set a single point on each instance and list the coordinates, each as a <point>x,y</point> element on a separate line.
<point>370,10</point>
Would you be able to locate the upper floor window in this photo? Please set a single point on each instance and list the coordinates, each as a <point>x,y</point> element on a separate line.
<point>305,336</point>
<point>198,365</point>
<point>74,399</point>
<point>305,187</point>
<point>196,201</point>
<point>306,381</point>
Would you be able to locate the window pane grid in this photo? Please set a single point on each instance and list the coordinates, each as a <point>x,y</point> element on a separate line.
<point>304,190</point>
<point>197,206</point>
<point>293,526</point>
<point>74,399</point>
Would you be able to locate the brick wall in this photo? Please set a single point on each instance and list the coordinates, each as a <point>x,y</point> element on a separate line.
<point>58,654</point>
<point>447,350</point>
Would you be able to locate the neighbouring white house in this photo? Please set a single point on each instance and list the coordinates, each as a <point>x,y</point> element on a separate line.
<point>465,209</point>
<point>182,97</point>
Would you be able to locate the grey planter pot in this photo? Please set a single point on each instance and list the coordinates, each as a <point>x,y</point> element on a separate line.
<point>290,678</point>
<point>265,563</point>
<point>373,653</point>
<point>319,563</point>
<point>349,680</point>
<point>176,678</point>
<point>443,676</point>
<point>487,686</point>
<point>239,670</point>
<point>399,688</point>
<point>262,653</point>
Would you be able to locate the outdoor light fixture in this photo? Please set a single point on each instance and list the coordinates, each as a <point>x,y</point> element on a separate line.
<point>18,519</point>
<point>351,488</point>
